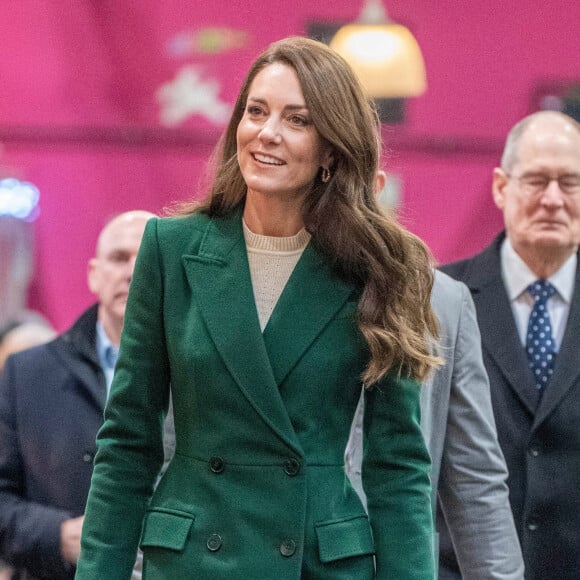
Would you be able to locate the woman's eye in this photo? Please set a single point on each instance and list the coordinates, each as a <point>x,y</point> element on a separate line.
<point>253,110</point>
<point>298,120</point>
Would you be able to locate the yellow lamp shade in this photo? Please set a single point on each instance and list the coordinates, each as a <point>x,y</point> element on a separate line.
<point>386,58</point>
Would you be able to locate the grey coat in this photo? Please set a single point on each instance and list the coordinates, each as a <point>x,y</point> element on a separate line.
<point>468,469</point>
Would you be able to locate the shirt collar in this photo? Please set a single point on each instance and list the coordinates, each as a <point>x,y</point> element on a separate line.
<point>517,276</point>
<point>106,350</point>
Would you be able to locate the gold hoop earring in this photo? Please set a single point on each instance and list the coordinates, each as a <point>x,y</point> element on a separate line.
<point>325,175</point>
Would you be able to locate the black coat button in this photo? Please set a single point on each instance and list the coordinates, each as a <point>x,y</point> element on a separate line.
<point>291,466</point>
<point>288,548</point>
<point>214,542</point>
<point>217,464</point>
<point>88,457</point>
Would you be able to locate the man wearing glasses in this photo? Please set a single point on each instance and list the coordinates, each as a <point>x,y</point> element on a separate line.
<point>526,289</point>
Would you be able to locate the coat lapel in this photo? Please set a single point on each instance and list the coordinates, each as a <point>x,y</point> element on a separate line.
<point>501,340</point>
<point>89,374</point>
<point>219,277</point>
<point>567,369</point>
<point>77,349</point>
<point>311,298</point>
<point>496,321</point>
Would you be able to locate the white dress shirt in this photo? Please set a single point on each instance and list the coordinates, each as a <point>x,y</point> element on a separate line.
<point>517,277</point>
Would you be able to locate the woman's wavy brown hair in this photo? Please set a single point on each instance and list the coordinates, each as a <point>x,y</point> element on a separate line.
<point>363,242</point>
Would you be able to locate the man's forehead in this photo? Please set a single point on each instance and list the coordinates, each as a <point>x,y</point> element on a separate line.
<point>122,233</point>
<point>549,142</point>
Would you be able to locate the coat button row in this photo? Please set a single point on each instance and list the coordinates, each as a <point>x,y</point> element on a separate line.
<point>217,464</point>
<point>214,542</point>
<point>291,467</point>
<point>287,548</point>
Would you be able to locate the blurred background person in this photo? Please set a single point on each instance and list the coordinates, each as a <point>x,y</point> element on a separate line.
<point>15,337</point>
<point>526,289</point>
<point>20,336</point>
<point>51,405</point>
<point>17,267</point>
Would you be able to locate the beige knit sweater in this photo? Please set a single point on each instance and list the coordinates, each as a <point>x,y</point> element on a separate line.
<point>272,260</point>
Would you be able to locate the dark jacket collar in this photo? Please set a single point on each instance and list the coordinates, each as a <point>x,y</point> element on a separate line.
<point>82,335</point>
<point>77,350</point>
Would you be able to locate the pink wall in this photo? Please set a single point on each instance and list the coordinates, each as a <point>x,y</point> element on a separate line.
<point>79,118</point>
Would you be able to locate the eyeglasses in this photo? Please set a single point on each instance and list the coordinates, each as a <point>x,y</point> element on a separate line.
<point>534,183</point>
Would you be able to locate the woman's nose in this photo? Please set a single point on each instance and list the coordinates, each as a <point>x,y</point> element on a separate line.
<point>270,132</point>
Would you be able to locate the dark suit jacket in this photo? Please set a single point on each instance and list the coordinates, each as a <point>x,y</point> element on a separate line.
<point>540,438</point>
<point>257,487</point>
<point>51,406</point>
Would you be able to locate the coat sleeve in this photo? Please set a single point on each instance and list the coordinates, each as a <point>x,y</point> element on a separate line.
<point>395,475</point>
<point>130,442</point>
<point>473,492</point>
<point>29,531</point>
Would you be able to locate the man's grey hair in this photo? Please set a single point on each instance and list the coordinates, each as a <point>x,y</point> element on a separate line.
<point>510,155</point>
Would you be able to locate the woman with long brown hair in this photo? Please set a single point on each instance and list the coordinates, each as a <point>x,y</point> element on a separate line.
<point>264,311</point>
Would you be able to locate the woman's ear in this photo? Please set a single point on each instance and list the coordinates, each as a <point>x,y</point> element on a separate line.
<point>327,157</point>
<point>380,181</point>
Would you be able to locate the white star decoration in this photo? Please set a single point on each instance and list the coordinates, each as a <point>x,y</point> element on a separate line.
<point>188,95</point>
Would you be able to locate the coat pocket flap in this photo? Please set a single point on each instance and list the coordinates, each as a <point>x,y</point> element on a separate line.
<point>166,529</point>
<point>339,539</point>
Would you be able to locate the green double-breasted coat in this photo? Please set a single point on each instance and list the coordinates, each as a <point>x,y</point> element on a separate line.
<point>257,488</point>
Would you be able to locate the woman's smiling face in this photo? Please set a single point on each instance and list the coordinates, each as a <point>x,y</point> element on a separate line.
<point>279,150</point>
